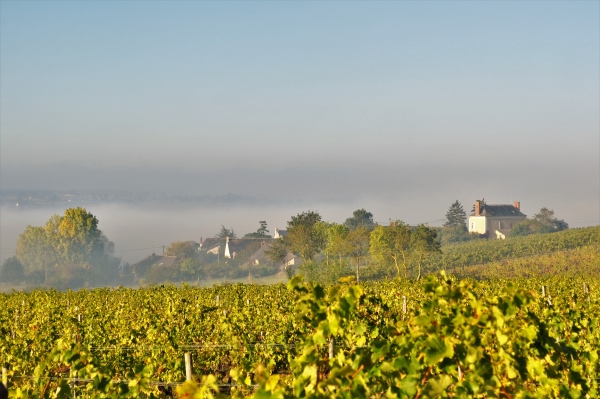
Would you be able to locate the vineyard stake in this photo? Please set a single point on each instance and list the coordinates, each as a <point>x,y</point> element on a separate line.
<point>5,377</point>
<point>331,348</point>
<point>404,304</point>
<point>543,291</point>
<point>188,366</point>
<point>217,300</point>
<point>72,382</point>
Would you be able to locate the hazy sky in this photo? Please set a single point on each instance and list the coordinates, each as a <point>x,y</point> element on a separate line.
<point>398,106</point>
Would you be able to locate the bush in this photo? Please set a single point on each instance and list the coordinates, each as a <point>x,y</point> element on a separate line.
<point>12,271</point>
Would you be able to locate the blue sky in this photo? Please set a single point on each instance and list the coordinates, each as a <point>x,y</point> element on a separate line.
<point>380,102</point>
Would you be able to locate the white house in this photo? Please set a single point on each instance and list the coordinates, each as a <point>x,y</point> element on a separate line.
<point>279,233</point>
<point>495,221</point>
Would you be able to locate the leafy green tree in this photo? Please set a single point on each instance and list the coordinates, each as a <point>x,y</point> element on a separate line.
<point>542,223</point>
<point>69,243</point>
<point>191,268</point>
<point>35,249</point>
<point>78,239</point>
<point>183,250</point>
<point>358,242</point>
<point>12,271</point>
<point>391,244</point>
<point>456,216</point>
<point>360,218</point>
<point>262,231</point>
<point>226,233</point>
<point>277,253</point>
<point>545,222</point>
<point>423,243</point>
<point>337,243</point>
<point>521,229</point>
<point>305,235</point>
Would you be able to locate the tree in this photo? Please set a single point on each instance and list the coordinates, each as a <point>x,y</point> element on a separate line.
<point>542,223</point>
<point>12,271</point>
<point>360,218</point>
<point>78,239</point>
<point>226,233</point>
<point>35,249</point>
<point>183,250</point>
<point>456,216</point>
<point>423,242</point>
<point>521,229</point>
<point>545,222</point>
<point>358,241</point>
<point>277,253</point>
<point>391,244</point>
<point>305,235</point>
<point>69,243</point>
<point>262,231</point>
<point>190,268</point>
<point>337,243</point>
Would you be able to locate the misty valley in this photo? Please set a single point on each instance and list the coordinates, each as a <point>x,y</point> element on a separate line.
<point>70,250</point>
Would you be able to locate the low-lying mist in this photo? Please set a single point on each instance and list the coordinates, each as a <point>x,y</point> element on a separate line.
<point>139,230</point>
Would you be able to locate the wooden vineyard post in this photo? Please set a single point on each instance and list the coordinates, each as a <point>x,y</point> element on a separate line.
<point>543,291</point>
<point>5,377</point>
<point>404,304</point>
<point>217,300</point>
<point>586,291</point>
<point>188,366</point>
<point>72,376</point>
<point>331,348</point>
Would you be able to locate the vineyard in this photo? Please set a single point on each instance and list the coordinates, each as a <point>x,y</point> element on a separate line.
<point>439,337</point>
<point>480,252</point>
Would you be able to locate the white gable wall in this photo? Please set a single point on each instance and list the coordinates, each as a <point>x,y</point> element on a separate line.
<point>477,224</point>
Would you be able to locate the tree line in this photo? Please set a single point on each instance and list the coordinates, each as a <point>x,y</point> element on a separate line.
<point>70,251</point>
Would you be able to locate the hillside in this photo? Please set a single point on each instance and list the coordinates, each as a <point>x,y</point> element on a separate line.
<point>457,257</point>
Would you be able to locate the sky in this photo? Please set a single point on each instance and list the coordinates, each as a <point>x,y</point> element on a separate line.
<point>399,107</point>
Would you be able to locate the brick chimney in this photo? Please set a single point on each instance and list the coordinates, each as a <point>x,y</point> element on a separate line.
<point>518,205</point>
<point>477,208</point>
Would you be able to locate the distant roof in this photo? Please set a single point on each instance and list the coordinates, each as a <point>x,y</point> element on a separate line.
<point>235,245</point>
<point>260,255</point>
<point>156,260</point>
<point>499,210</point>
